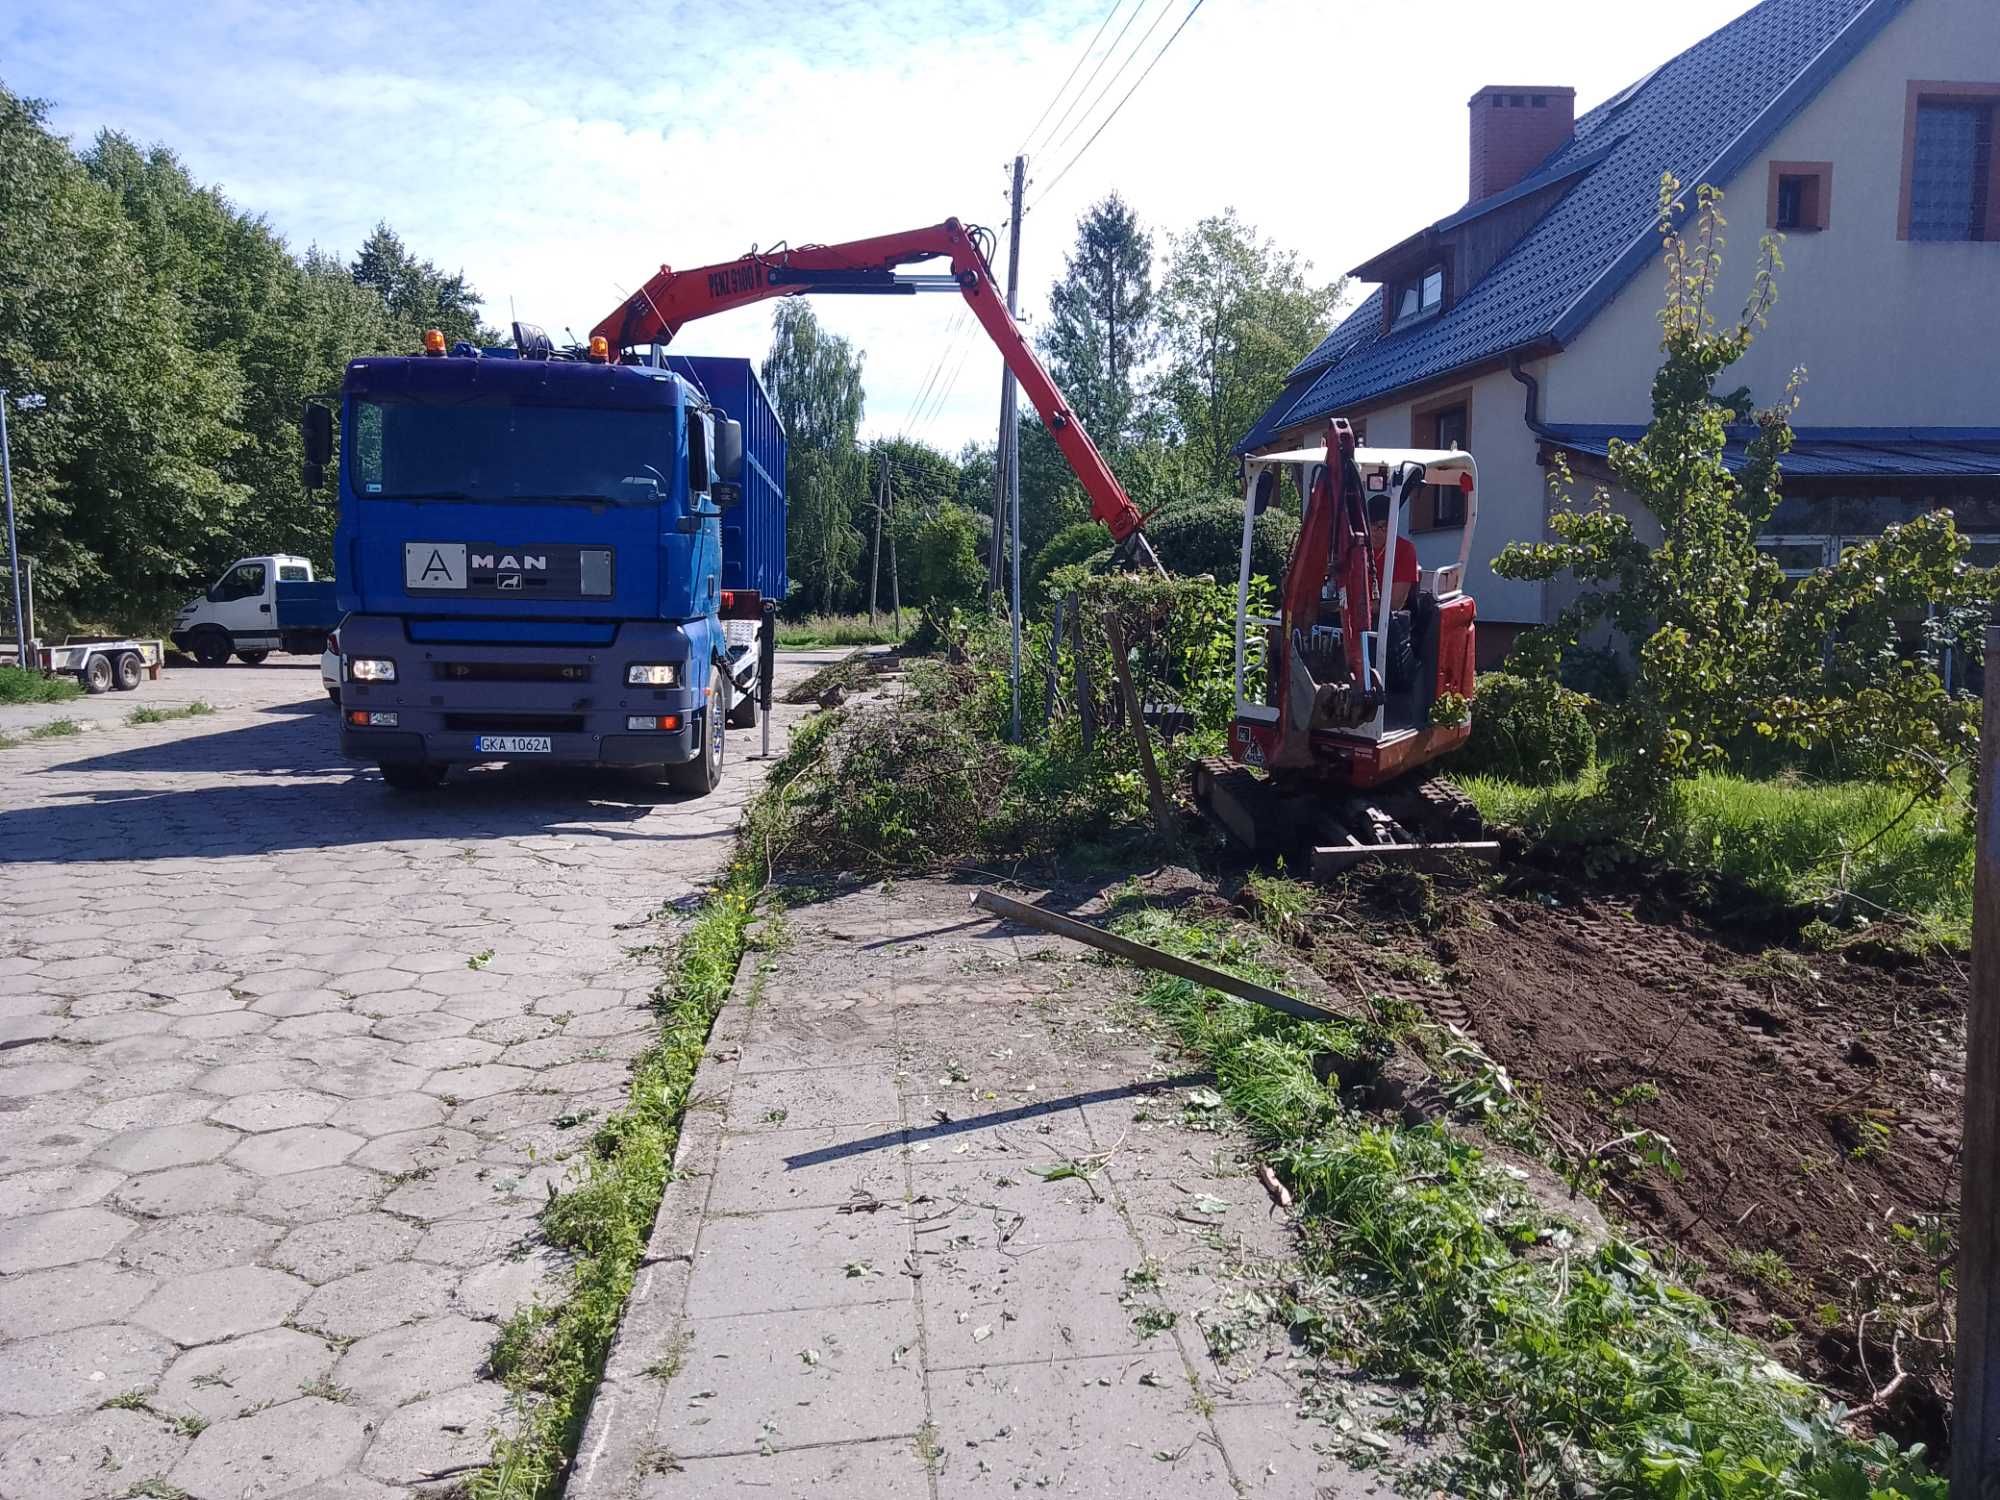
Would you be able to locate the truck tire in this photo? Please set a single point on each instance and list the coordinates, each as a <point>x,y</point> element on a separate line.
<point>210,648</point>
<point>412,775</point>
<point>744,714</point>
<point>97,677</point>
<point>703,774</point>
<point>252,658</point>
<point>131,671</point>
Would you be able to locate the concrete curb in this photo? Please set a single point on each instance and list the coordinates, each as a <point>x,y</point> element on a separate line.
<point>613,1452</point>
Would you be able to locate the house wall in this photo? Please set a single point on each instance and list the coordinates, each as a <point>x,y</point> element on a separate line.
<point>1512,486</point>
<point>1891,332</point>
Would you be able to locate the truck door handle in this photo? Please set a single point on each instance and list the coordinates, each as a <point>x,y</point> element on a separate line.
<point>264,609</point>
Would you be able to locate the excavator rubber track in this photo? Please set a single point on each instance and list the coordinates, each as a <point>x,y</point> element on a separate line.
<point>1424,819</point>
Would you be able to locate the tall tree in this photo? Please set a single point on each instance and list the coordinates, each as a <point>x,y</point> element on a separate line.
<point>815,382</point>
<point>1239,313</point>
<point>1101,319</point>
<point>415,293</point>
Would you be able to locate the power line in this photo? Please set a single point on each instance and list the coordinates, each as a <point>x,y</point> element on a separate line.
<point>944,393</point>
<point>1022,150</point>
<point>1117,74</point>
<point>936,366</point>
<point>1077,98</point>
<point>1121,103</point>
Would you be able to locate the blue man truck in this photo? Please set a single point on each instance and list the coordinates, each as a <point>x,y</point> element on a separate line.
<point>552,556</point>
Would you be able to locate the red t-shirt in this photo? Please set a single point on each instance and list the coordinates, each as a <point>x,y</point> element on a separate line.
<point>1406,561</point>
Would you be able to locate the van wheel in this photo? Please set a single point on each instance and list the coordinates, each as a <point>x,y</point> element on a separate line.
<point>131,671</point>
<point>210,648</point>
<point>97,675</point>
<point>252,658</point>
<point>703,774</point>
<point>412,775</point>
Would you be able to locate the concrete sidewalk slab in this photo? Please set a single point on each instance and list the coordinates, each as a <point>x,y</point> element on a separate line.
<point>944,1223</point>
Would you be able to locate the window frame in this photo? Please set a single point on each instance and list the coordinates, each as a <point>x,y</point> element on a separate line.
<point>1415,284</point>
<point>1932,91</point>
<point>1817,203</point>
<point>1434,508</point>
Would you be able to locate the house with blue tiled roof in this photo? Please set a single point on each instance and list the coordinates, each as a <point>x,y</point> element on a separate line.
<point>1524,326</point>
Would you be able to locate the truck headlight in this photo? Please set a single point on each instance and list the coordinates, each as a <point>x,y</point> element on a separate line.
<point>371,669</point>
<point>653,674</point>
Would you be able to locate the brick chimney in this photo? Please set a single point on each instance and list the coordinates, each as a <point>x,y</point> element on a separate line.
<point>1514,129</point>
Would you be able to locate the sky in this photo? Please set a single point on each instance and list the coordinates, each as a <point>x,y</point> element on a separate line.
<point>559,153</point>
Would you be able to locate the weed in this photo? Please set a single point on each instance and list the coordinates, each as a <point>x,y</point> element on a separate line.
<point>1149,1320</point>
<point>21,685</point>
<point>841,630</point>
<point>155,1489</point>
<point>128,1401</point>
<point>1767,1268</point>
<point>195,710</point>
<point>480,959</point>
<point>930,1452</point>
<point>55,729</point>
<point>326,1390</point>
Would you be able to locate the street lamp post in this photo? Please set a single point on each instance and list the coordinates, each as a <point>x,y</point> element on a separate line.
<point>26,403</point>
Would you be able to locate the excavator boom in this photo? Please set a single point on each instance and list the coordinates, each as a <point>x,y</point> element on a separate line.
<point>672,299</point>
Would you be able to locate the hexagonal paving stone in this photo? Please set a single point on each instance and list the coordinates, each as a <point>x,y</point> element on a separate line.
<point>422,1026</point>
<point>233,1379</point>
<point>273,1452</point>
<point>447,1052</point>
<point>438,1434</point>
<point>498,1289</point>
<point>197,1242</point>
<point>210,1305</point>
<point>363,1079</point>
<point>400,1364</point>
<point>374,982</point>
<point>45,1078</point>
<point>60,1238</point>
<point>253,1078</point>
<point>414,1150</point>
<point>300,1003</point>
<point>340,1247</point>
<point>370,1301</point>
<point>186,1190</point>
<point>222,1025</point>
<point>90,1457</point>
<point>478,1081</point>
<point>168,1107</point>
<point>80,1367</point>
<point>68,1297</point>
<point>61,1187</point>
<point>308,1197</point>
<point>388,1114</point>
<point>462,1187</point>
<point>277,1109</point>
<point>304,1148</point>
<point>279,981</point>
<point>302,1030</point>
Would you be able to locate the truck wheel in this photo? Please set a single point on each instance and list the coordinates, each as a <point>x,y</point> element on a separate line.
<point>703,774</point>
<point>210,648</point>
<point>252,658</point>
<point>412,775</point>
<point>97,674</point>
<point>131,671</point>
<point>744,715</point>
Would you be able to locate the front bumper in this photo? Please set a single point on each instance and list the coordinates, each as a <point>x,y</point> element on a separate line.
<point>442,717</point>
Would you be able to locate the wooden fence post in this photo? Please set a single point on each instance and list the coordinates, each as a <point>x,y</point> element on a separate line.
<point>1055,663</point>
<point>1155,793</point>
<point>1975,1445</point>
<point>1086,707</point>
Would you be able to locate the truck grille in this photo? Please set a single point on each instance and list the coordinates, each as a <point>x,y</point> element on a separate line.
<point>510,671</point>
<point>515,723</point>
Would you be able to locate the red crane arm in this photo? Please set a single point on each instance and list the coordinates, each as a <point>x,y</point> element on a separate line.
<point>672,299</point>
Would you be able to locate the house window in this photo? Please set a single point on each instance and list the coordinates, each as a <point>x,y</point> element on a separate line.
<point>1445,426</point>
<point>1950,191</point>
<point>1420,297</point>
<point>1801,193</point>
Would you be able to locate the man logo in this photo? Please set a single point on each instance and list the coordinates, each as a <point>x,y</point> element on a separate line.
<point>507,581</point>
<point>529,562</point>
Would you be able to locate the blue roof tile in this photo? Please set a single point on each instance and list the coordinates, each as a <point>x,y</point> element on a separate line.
<point>1700,116</point>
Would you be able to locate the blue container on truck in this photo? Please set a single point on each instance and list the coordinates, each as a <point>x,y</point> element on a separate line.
<point>553,560</point>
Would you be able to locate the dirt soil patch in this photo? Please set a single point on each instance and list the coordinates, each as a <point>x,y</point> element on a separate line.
<point>1812,1101</point>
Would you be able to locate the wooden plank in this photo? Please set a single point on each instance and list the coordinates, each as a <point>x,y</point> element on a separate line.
<point>1156,794</point>
<point>1149,958</point>
<point>1975,1446</point>
<point>1328,858</point>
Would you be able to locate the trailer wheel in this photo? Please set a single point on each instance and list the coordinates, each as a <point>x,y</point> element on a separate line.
<point>252,658</point>
<point>131,671</point>
<point>210,648</point>
<point>703,774</point>
<point>97,677</point>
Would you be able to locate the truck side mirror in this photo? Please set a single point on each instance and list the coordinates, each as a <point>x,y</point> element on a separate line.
<point>698,475</point>
<point>729,449</point>
<point>727,492</point>
<point>316,438</point>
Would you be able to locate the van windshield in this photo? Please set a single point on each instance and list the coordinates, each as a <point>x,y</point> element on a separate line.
<point>497,452</point>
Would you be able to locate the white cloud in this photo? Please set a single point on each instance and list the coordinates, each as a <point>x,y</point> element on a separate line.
<point>559,154</point>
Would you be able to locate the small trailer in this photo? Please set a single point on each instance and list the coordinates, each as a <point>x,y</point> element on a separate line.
<point>102,663</point>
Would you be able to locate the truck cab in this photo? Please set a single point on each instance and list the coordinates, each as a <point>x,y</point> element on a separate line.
<point>258,605</point>
<point>552,559</point>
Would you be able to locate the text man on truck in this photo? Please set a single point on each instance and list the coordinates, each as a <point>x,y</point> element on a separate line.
<point>547,556</point>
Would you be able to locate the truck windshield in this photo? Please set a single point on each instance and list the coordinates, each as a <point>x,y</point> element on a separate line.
<point>497,452</point>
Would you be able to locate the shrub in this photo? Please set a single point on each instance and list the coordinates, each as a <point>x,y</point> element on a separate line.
<point>1085,542</point>
<point>1206,536</point>
<point>1528,730</point>
<point>942,565</point>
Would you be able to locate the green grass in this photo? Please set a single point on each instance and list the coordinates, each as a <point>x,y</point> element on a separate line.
<point>194,710</point>
<point>552,1356</point>
<point>845,630</point>
<point>19,685</point>
<point>1550,1366</point>
<point>55,729</point>
<point>1838,847</point>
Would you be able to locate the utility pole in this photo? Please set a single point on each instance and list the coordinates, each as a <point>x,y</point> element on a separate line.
<point>895,577</point>
<point>1007,457</point>
<point>1975,1447</point>
<point>875,564</point>
<point>13,546</point>
<point>1011,436</point>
